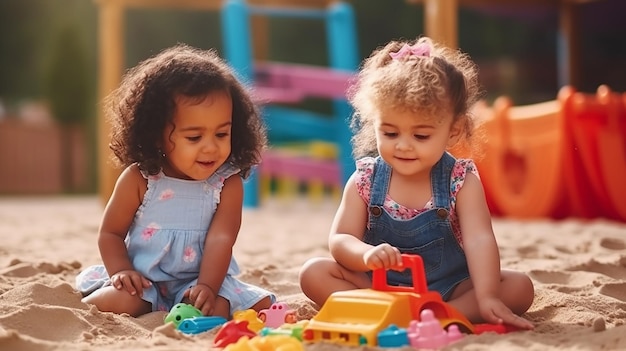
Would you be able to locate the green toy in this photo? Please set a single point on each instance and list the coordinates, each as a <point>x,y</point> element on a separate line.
<point>180,312</point>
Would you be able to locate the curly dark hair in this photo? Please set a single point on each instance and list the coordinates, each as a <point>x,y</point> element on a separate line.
<point>446,79</point>
<point>144,103</point>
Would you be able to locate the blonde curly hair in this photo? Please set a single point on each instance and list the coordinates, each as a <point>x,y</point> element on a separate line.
<point>437,80</point>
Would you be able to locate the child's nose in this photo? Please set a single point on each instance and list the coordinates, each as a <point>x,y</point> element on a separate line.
<point>209,146</point>
<point>403,144</point>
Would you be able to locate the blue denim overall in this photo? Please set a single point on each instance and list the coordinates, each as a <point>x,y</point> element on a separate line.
<point>429,234</point>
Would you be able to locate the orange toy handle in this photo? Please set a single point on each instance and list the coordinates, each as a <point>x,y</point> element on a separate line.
<point>409,261</point>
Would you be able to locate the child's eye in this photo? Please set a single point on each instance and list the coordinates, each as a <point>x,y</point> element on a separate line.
<point>194,138</point>
<point>390,134</point>
<point>421,137</point>
<point>222,135</point>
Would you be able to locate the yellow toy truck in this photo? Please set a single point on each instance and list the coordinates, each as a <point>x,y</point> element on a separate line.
<point>355,317</point>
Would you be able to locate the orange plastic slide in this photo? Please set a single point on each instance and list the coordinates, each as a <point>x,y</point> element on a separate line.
<point>522,169</point>
<point>565,157</point>
<point>596,160</point>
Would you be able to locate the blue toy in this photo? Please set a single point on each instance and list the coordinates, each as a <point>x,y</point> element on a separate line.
<point>198,325</point>
<point>190,320</point>
<point>392,336</point>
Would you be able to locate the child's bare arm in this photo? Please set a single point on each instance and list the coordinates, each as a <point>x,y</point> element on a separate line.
<point>116,220</point>
<point>218,246</point>
<point>482,253</point>
<point>347,231</point>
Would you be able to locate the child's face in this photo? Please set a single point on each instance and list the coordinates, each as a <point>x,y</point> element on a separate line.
<point>413,142</point>
<point>199,141</point>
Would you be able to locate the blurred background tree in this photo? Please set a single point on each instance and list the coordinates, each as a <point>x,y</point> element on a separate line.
<point>69,94</point>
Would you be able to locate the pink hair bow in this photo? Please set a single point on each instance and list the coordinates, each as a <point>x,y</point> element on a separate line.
<point>418,50</point>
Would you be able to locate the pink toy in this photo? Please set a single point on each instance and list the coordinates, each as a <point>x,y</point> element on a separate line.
<point>454,333</point>
<point>278,314</point>
<point>429,334</point>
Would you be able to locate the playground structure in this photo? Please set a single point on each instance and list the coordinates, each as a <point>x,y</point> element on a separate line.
<point>284,170</point>
<point>560,158</point>
<point>281,84</point>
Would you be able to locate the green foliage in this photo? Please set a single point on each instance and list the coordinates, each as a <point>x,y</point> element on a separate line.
<point>22,34</point>
<point>149,31</point>
<point>67,79</point>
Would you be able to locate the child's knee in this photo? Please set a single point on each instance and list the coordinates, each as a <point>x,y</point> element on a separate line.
<point>109,299</point>
<point>523,290</point>
<point>312,268</point>
<point>527,286</point>
<point>524,284</point>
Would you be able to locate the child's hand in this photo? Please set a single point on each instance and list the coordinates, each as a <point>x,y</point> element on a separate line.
<point>130,280</point>
<point>383,256</point>
<point>494,311</point>
<point>202,297</point>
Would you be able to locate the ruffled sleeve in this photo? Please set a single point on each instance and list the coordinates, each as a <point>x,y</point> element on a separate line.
<point>216,181</point>
<point>459,172</point>
<point>363,177</point>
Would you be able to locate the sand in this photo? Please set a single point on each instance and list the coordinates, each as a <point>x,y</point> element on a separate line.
<point>578,267</point>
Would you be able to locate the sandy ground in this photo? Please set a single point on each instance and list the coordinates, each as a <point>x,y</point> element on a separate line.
<point>578,267</point>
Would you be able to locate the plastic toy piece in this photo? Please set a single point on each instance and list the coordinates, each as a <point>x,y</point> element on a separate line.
<point>180,312</point>
<point>278,314</point>
<point>268,343</point>
<point>393,336</point>
<point>196,325</point>
<point>495,328</point>
<point>250,315</point>
<point>232,331</point>
<point>292,330</point>
<point>454,333</point>
<point>428,332</point>
<point>355,317</point>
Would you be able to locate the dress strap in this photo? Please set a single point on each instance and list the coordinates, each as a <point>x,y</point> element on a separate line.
<point>440,179</point>
<point>381,175</point>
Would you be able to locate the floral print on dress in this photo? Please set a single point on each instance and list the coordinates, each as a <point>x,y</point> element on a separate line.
<point>189,255</point>
<point>93,275</point>
<point>166,194</point>
<point>149,231</point>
